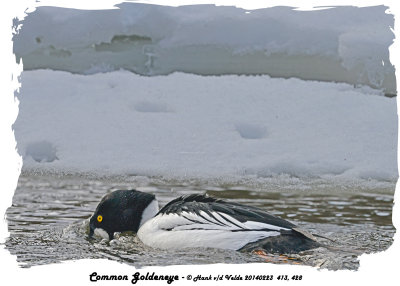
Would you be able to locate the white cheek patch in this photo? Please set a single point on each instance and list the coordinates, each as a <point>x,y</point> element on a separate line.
<point>101,233</point>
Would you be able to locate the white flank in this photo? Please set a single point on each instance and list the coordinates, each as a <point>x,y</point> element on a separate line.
<point>169,231</point>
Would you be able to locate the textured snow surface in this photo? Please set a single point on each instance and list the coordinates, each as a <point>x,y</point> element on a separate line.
<point>190,125</point>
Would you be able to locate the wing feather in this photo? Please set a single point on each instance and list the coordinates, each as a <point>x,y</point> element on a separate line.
<point>204,209</point>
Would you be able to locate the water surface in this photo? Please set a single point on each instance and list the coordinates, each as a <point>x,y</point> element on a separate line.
<point>48,220</point>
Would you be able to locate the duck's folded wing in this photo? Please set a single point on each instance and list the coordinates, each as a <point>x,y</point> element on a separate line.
<point>202,212</point>
<point>199,221</point>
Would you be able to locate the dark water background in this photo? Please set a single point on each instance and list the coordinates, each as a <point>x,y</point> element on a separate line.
<point>48,220</point>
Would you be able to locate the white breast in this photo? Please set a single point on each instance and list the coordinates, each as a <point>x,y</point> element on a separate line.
<point>150,211</point>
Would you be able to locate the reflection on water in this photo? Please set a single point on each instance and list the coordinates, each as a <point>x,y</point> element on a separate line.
<point>48,221</point>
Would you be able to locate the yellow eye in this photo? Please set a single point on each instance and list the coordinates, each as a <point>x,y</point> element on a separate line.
<point>99,218</point>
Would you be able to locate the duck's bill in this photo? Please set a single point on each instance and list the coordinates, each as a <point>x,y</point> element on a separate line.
<point>99,233</point>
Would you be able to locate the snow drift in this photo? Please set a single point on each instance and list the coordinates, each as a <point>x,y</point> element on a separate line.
<point>188,125</point>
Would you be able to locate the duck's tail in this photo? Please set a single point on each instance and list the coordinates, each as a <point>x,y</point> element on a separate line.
<point>336,248</point>
<point>320,244</point>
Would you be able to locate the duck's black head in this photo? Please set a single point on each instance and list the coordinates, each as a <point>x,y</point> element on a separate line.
<point>122,210</point>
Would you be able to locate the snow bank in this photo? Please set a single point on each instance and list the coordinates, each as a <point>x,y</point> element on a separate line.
<point>189,125</point>
<point>343,44</point>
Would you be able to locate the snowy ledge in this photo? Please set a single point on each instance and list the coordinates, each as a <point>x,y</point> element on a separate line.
<point>185,125</point>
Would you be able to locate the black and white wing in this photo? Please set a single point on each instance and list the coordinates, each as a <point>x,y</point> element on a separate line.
<point>206,211</point>
<point>202,221</point>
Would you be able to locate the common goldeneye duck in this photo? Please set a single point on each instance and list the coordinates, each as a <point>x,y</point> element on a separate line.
<point>196,221</point>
